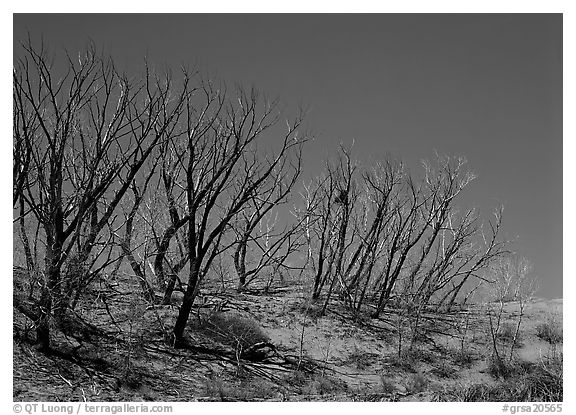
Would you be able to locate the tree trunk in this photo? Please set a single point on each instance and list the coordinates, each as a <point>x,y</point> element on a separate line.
<point>340,253</point>
<point>30,266</point>
<point>317,280</point>
<point>147,290</point>
<point>169,289</point>
<point>162,250</point>
<point>43,325</point>
<point>240,263</point>
<point>50,302</point>
<point>187,302</point>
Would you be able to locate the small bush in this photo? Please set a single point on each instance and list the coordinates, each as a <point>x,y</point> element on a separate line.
<point>323,385</point>
<point>131,377</point>
<point>307,308</point>
<point>424,355</point>
<point>499,369</point>
<point>542,382</point>
<point>406,361</point>
<point>215,389</point>
<point>539,386</point>
<point>361,359</point>
<point>550,331</point>
<point>243,391</point>
<point>387,386</point>
<point>444,371</point>
<point>297,378</point>
<point>235,330</point>
<point>464,358</point>
<point>417,383</point>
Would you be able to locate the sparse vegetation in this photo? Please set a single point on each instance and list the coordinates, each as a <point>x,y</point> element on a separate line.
<point>407,361</point>
<point>445,370</point>
<point>417,383</point>
<point>361,359</point>
<point>507,334</point>
<point>219,389</point>
<point>464,359</point>
<point>551,330</point>
<point>237,331</point>
<point>387,386</point>
<point>143,200</point>
<point>322,385</point>
<point>525,383</point>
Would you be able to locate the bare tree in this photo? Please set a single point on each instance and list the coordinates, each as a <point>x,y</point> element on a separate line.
<point>88,130</point>
<point>406,229</point>
<point>381,186</point>
<point>442,186</point>
<point>168,227</point>
<point>511,282</point>
<point>474,260</point>
<point>138,266</point>
<point>394,227</point>
<point>430,245</point>
<point>342,177</point>
<point>213,173</point>
<point>318,217</point>
<point>255,226</point>
<point>526,287</point>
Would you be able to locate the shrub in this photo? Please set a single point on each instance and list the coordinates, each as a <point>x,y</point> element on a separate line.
<point>417,383</point>
<point>464,358</point>
<point>406,361</point>
<point>551,330</point>
<point>361,359</point>
<point>444,371</point>
<point>245,390</point>
<point>235,330</point>
<point>131,377</point>
<point>308,308</point>
<point>297,378</point>
<point>498,368</point>
<point>540,382</point>
<point>323,385</point>
<point>387,386</point>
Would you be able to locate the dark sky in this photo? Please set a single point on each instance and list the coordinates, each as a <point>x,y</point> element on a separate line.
<point>488,87</point>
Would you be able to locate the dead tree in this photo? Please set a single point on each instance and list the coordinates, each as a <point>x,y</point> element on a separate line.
<point>420,246</point>
<point>443,186</point>
<point>510,281</point>
<point>319,225</point>
<point>95,130</point>
<point>406,229</point>
<point>476,260</point>
<point>256,228</point>
<point>214,153</point>
<point>381,186</point>
<point>343,173</point>
<point>128,252</point>
<point>169,225</point>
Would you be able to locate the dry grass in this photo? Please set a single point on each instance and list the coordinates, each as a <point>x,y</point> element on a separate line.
<point>542,382</point>
<point>417,383</point>
<point>244,390</point>
<point>550,330</point>
<point>506,335</point>
<point>360,359</point>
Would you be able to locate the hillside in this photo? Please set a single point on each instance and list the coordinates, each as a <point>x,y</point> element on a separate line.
<point>304,356</point>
